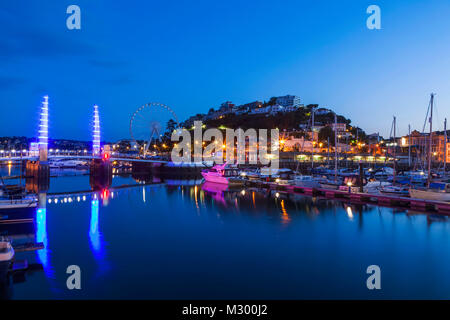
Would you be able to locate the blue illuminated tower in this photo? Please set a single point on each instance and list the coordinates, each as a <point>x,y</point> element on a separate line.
<point>43,131</point>
<point>96,133</point>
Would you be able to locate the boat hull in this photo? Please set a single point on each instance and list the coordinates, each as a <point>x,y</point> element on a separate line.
<point>429,195</point>
<point>329,186</point>
<point>17,204</point>
<point>307,184</point>
<point>4,268</point>
<point>222,180</point>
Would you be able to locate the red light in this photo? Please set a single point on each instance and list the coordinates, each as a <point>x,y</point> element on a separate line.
<point>105,194</point>
<point>106,156</point>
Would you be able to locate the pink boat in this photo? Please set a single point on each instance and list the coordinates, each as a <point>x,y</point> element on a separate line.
<point>225,174</point>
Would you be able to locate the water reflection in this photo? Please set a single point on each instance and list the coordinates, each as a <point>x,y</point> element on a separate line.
<point>41,236</point>
<point>96,240</point>
<point>43,255</point>
<point>186,221</point>
<point>94,234</point>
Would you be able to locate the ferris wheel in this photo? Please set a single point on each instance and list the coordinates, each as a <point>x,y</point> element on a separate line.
<point>149,122</point>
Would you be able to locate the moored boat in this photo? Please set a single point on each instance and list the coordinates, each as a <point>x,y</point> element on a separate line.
<point>395,190</point>
<point>224,174</point>
<point>6,256</point>
<point>306,181</point>
<point>436,191</point>
<point>24,202</point>
<point>15,197</point>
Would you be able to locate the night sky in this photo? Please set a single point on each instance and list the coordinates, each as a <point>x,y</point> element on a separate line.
<point>194,55</point>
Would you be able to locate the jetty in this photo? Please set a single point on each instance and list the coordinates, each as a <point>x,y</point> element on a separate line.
<point>382,200</point>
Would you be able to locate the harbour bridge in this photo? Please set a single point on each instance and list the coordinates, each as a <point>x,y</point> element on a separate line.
<point>43,155</point>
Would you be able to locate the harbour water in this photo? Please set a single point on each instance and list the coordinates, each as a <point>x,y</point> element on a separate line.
<point>180,239</point>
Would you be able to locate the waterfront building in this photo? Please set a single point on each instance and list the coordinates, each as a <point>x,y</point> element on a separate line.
<point>373,138</point>
<point>241,110</point>
<point>419,143</point>
<point>34,149</point>
<point>288,101</point>
<point>322,111</point>
<point>225,108</point>
<point>340,127</point>
<point>276,109</point>
<point>299,144</point>
<point>260,110</point>
<point>250,106</point>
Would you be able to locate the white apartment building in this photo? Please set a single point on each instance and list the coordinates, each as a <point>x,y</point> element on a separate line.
<point>288,101</point>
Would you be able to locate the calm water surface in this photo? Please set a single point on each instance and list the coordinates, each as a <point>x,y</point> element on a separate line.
<point>179,240</point>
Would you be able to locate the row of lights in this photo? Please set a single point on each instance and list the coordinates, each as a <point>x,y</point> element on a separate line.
<point>67,199</point>
<point>80,198</point>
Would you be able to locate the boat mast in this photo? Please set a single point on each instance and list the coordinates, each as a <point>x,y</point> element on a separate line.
<point>445,145</point>
<point>409,146</point>
<point>335,148</point>
<point>395,147</point>
<point>312,143</point>
<point>431,139</point>
<point>328,157</point>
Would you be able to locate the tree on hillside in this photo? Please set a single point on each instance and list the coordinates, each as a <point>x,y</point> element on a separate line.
<point>325,133</point>
<point>170,127</point>
<point>311,106</point>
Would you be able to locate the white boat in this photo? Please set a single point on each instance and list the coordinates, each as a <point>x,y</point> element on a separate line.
<point>224,174</point>
<point>62,164</point>
<point>436,191</point>
<point>23,202</point>
<point>375,186</point>
<point>395,190</point>
<point>306,181</point>
<point>6,256</point>
<point>329,184</point>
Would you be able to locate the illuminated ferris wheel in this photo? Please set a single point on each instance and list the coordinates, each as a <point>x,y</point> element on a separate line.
<point>149,122</point>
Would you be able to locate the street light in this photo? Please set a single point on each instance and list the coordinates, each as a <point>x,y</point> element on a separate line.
<point>349,184</point>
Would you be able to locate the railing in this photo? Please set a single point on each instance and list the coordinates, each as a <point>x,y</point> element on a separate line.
<point>71,154</point>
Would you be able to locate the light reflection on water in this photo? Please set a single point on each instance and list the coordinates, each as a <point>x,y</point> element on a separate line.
<point>207,241</point>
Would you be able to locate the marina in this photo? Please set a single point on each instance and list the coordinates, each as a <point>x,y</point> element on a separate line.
<point>237,159</point>
<point>263,216</point>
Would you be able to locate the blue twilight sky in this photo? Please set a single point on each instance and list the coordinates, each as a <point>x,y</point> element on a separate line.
<point>193,55</point>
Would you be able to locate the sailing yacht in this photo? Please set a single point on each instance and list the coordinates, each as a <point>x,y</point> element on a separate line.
<point>439,191</point>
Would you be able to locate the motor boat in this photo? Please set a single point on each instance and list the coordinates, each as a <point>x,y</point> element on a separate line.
<point>283,176</point>
<point>6,256</point>
<point>224,174</point>
<point>306,181</point>
<point>375,186</point>
<point>23,202</point>
<point>15,197</point>
<point>395,190</point>
<point>331,184</point>
<point>439,191</point>
<point>63,164</point>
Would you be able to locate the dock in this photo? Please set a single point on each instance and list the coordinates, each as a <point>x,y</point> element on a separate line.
<point>382,200</point>
<point>29,247</point>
